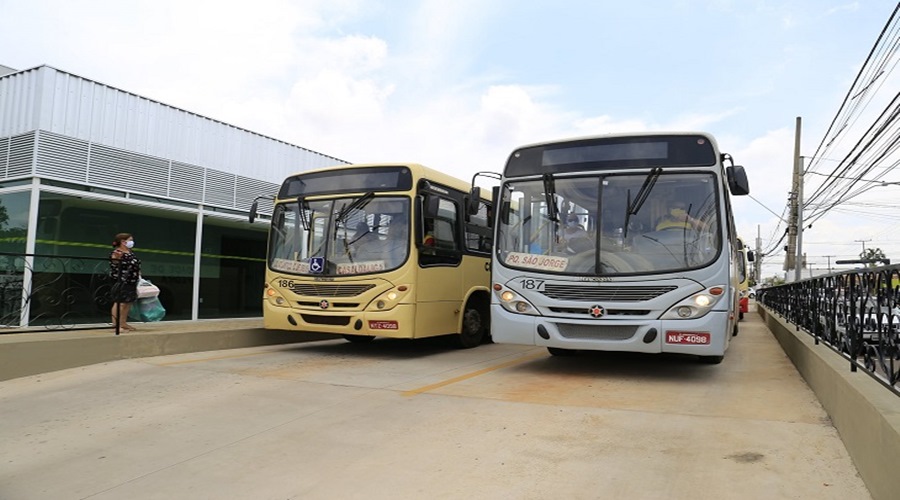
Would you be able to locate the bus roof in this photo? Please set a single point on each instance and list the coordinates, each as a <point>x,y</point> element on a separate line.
<point>418,170</point>
<point>617,135</point>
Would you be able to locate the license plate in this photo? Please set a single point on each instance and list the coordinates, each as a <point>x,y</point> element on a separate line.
<point>383,325</point>
<point>697,338</point>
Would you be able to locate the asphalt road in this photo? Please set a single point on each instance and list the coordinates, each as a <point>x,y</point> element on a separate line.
<point>418,419</point>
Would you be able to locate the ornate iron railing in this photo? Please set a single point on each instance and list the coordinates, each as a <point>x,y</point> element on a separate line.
<point>855,313</point>
<point>53,292</point>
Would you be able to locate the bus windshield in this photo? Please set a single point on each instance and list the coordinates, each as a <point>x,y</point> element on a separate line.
<point>341,236</point>
<point>614,224</point>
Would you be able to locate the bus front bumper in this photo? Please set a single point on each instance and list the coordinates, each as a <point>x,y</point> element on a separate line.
<point>398,322</point>
<point>706,336</point>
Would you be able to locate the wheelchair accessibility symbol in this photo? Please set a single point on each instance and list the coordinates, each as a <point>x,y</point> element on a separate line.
<point>316,265</point>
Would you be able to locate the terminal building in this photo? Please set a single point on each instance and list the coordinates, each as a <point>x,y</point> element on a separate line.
<point>81,161</point>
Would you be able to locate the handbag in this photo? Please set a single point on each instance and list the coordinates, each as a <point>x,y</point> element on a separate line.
<point>147,290</point>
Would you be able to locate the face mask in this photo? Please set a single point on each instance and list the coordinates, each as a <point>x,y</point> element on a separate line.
<point>677,212</point>
<point>129,243</point>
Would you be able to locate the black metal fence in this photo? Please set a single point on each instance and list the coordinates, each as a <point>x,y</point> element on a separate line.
<point>855,313</point>
<point>53,292</point>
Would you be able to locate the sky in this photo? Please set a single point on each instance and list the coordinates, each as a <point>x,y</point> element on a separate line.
<point>458,85</point>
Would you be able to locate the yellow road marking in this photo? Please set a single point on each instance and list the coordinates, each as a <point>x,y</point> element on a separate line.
<point>215,358</point>
<point>474,374</point>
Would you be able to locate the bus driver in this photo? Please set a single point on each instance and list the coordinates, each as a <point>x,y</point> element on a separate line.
<point>678,218</point>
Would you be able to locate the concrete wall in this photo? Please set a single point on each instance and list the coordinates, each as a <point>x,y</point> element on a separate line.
<point>864,412</point>
<point>47,352</point>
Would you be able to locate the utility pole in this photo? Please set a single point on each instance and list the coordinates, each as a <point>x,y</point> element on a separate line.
<point>790,259</point>
<point>863,255</point>
<point>829,261</point>
<point>809,265</point>
<point>801,257</point>
<point>757,264</point>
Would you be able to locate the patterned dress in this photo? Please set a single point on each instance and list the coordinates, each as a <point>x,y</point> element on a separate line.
<point>125,272</point>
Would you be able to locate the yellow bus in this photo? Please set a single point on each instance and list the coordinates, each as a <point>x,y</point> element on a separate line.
<point>379,250</point>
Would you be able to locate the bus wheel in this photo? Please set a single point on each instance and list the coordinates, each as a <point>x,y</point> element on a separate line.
<point>711,360</point>
<point>473,325</point>
<point>558,351</point>
<point>360,339</point>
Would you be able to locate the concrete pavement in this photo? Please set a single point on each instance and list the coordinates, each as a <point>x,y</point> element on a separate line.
<point>397,419</point>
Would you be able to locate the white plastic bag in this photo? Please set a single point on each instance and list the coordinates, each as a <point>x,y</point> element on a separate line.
<point>146,290</point>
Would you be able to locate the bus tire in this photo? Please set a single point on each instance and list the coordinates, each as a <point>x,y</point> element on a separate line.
<point>711,360</point>
<point>359,339</point>
<point>559,351</point>
<point>473,326</point>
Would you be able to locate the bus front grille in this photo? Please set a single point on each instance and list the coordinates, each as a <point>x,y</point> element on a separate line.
<point>333,305</point>
<point>330,289</point>
<point>584,311</point>
<point>591,332</point>
<point>314,319</point>
<point>585,293</point>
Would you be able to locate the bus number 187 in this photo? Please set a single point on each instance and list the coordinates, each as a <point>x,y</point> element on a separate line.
<point>531,284</point>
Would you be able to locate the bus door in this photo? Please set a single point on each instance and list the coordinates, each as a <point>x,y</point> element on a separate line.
<point>439,256</point>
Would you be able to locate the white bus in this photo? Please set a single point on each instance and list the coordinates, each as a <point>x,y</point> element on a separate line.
<point>618,243</point>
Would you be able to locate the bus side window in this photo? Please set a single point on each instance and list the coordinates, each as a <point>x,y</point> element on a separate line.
<point>445,226</point>
<point>440,243</point>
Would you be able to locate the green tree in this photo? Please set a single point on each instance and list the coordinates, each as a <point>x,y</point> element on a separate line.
<point>4,216</point>
<point>875,255</point>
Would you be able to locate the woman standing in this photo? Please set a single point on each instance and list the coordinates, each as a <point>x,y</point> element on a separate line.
<point>125,271</point>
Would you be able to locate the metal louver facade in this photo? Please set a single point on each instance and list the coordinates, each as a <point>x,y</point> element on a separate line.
<point>60,126</point>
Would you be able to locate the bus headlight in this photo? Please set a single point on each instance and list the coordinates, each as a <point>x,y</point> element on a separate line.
<point>695,306</point>
<point>391,298</point>
<point>513,302</point>
<point>272,295</point>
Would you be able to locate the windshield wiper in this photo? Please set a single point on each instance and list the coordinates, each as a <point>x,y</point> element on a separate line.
<point>550,197</point>
<point>303,215</point>
<point>357,204</point>
<point>639,199</point>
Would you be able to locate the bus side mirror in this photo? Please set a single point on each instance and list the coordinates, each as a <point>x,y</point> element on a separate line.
<point>750,256</point>
<point>474,200</point>
<point>431,206</point>
<point>495,195</point>
<point>253,208</point>
<point>504,213</point>
<point>737,180</point>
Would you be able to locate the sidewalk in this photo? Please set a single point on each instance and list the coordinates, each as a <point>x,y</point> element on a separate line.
<point>23,354</point>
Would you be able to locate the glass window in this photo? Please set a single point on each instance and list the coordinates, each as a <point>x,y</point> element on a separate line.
<point>617,224</point>
<point>13,231</point>
<point>340,237</point>
<point>14,221</point>
<point>232,268</point>
<point>76,235</point>
<point>440,241</point>
<point>479,236</point>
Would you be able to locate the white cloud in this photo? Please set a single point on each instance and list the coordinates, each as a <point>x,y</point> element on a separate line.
<point>847,7</point>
